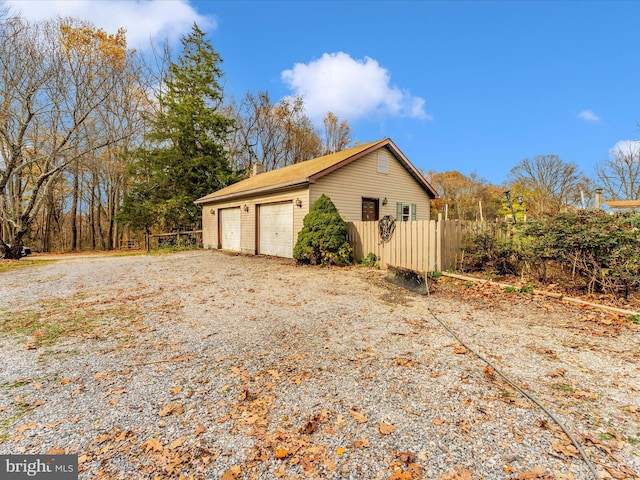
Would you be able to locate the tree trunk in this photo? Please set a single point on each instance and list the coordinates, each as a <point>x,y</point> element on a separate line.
<point>74,209</point>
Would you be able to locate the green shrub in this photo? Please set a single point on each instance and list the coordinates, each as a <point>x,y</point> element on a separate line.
<point>495,250</point>
<point>599,252</point>
<point>323,238</point>
<point>371,260</point>
<point>589,250</point>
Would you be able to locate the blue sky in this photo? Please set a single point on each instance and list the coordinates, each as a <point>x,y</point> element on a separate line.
<point>471,86</point>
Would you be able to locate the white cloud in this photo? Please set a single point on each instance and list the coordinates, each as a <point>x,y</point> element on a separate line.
<point>588,116</point>
<point>143,19</point>
<point>629,148</point>
<point>350,88</point>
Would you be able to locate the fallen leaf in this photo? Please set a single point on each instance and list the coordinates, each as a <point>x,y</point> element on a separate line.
<point>437,421</point>
<point>401,475</point>
<point>464,425</point>
<point>102,375</point>
<point>232,473</point>
<point>489,372</point>
<point>25,427</point>
<point>406,457</point>
<point>177,443</point>
<point>200,429</point>
<point>153,444</point>
<point>556,373</point>
<point>55,451</point>
<point>311,425</point>
<point>386,428</point>
<point>171,409</point>
<point>340,451</point>
<point>536,472</point>
<point>340,421</point>
<point>281,453</point>
<point>459,349</point>
<point>361,443</point>
<point>568,450</point>
<point>357,416</point>
<point>176,390</point>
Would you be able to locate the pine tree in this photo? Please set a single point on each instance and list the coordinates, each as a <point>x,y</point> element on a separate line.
<point>186,157</point>
<point>323,238</point>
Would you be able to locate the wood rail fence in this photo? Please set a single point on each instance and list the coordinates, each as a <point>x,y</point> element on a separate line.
<point>422,246</point>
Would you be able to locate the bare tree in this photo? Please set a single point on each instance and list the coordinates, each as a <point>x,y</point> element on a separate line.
<point>548,183</point>
<point>274,135</point>
<point>55,77</point>
<point>619,176</point>
<point>337,136</point>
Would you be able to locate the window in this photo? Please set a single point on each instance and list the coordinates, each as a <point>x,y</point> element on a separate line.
<point>370,209</point>
<point>405,212</point>
<point>383,164</point>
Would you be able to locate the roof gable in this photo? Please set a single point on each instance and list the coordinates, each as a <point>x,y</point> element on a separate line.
<point>309,171</point>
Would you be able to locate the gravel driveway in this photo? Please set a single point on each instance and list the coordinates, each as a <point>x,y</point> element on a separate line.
<point>206,365</point>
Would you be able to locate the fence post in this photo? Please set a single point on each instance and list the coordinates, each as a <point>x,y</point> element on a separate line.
<point>439,242</point>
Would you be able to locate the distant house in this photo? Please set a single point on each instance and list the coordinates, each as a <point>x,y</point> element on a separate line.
<point>263,214</point>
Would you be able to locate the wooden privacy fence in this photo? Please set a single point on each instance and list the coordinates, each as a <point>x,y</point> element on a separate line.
<point>423,246</point>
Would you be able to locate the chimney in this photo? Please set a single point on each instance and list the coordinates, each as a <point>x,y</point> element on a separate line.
<point>258,168</point>
<point>598,198</point>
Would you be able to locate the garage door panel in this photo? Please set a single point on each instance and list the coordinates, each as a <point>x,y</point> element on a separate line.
<point>230,229</point>
<point>276,230</point>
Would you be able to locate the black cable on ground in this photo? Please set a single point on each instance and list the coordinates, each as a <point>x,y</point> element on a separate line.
<point>593,470</point>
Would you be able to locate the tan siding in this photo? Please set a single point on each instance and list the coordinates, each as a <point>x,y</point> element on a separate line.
<point>248,219</point>
<point>348,185</point>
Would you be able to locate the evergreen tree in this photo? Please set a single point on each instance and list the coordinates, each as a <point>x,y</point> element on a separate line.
<point>185,157</point>
<point>323,238</point>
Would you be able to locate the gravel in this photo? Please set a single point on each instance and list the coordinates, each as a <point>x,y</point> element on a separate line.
<point>207,365</point>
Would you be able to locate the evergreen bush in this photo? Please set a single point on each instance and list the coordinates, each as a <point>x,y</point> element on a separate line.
<point>323,238</point>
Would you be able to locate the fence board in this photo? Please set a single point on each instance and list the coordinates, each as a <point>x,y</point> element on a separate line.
<point>425,245</point>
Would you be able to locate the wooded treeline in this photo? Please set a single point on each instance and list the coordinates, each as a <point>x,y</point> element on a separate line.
<point>97,143</point>
<point>100,144</point>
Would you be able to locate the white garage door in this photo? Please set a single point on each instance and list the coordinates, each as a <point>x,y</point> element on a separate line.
<point>276,229</point>
<point>230,229</point>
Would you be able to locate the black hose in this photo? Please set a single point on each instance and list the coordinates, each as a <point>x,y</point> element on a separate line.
<point>596,475</point>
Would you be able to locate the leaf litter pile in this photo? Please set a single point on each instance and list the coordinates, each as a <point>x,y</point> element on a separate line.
<point>204,365</point>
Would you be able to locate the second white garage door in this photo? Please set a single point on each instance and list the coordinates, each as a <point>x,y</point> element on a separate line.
<point>276,229</point>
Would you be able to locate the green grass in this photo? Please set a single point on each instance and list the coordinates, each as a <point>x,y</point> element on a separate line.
<point>528,288</point>
<point>59,320</point>
<point>635,319</point>
<point>563,387</point>
<point>15,384</point>
<point>6,423</point>
<point>8,265</point>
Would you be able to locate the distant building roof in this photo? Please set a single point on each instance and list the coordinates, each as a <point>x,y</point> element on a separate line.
<point>623,203</point>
